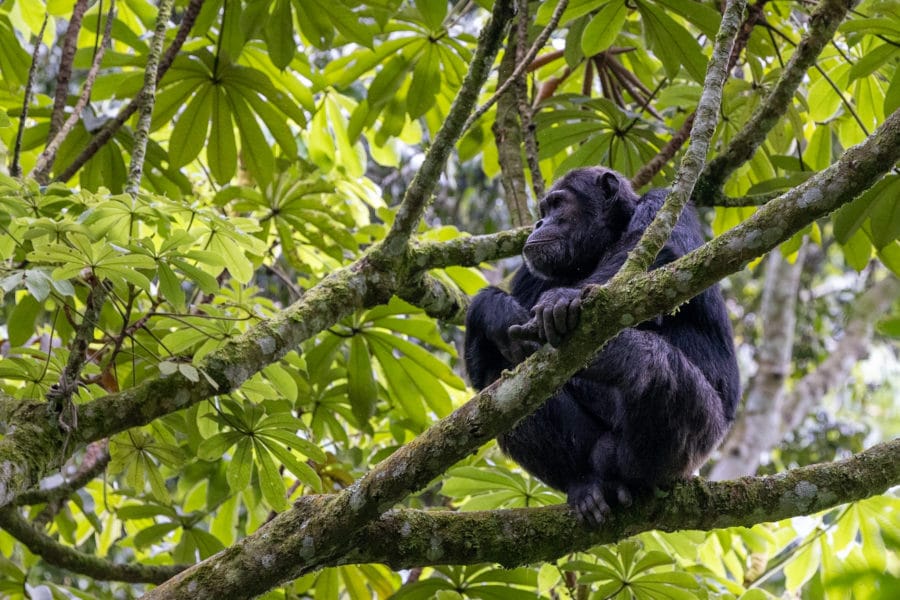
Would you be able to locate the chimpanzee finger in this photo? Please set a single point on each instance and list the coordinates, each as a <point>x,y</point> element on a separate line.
<point>574,314</point>
<point>561,318</point>
<point>526,331</point>
<point>549,327</point>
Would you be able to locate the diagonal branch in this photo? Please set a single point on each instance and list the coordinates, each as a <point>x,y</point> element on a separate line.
<point>704,126</point>
<point>327,535</point>
<point>422,186</point>
<point>823,24</point>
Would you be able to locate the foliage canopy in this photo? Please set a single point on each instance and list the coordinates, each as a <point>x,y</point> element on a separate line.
<point>211,311</point>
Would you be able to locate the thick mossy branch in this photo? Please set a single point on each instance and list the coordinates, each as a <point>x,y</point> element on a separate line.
<point>66,557</point>
<point>409,538</point>
<point>823,24</point>
<point>468,251</point>
<point>705,120</point>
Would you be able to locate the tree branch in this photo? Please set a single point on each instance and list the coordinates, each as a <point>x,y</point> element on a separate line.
<point>45,161</point>
<point>66,59</point>
<point>147,99</point>
<point>523,65</point>
<point>707,115</point>
<point>823,24</point>
<point>111,127</point>
<point>647,172</point>
<point>469,251</point>
<point>405,539</point>
<point>60,555</point>
<point>420,189</point>
<point>14,168</point>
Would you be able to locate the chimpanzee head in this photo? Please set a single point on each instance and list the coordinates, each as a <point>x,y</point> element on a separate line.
<point>582,215</point>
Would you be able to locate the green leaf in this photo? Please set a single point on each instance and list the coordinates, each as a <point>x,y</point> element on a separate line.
<point>818,152</point>
<point>157,483</point>
<point>255,149</point>
<point>153,534</point>
<point>189,133</point>
<point>604,27</point>
<point>885,213</point>
<point>705,18</point>
<point>321,144</point>
<point>361,384</point>
<point>402,388</point>
<point>344,20</point>
<point>241,466</point>
<point>872,60</point>
<point>221,151</point>
<point>420,355</point>
<point>672,43</point>
<point>388,80</point>
<point>858,250</point>
<point>301,470</point>
<point>279,34</point>
<point>433,13</point>
<point>170,286</point>
<point>21,320</point>
<point>214,448</point>
<point>426,82</point>
<point>850,217</point>
<point>802,566</point>
<point>271,483</point>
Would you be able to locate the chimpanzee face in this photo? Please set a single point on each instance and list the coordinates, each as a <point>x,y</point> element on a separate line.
<point>581,216</point>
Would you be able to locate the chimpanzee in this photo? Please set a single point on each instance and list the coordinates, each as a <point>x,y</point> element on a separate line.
<point>656,400</point>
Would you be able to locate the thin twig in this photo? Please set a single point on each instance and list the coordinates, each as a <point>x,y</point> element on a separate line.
<point>522,66</point>
<point>69,46</point>
<point>147,99</point>
<point>48,156</point>
<point>14,169</point>
<point>658,231</point>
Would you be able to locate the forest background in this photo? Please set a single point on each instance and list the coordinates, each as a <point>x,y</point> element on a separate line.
<point>239,238</point>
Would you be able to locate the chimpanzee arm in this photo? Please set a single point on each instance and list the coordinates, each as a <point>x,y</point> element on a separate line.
<point>489,349</point>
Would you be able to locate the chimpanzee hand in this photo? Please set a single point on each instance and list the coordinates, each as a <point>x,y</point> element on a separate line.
<point>515,349</point>
<point>556,316</point>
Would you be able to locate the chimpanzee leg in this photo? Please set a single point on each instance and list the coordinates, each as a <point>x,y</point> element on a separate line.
<point>670,417</point>
<point>555,442</point>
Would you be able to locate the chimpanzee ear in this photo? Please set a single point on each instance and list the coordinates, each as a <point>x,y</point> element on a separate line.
<point>608,183</point>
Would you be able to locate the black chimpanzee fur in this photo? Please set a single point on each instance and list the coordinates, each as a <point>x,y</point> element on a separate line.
<point>657,399</point>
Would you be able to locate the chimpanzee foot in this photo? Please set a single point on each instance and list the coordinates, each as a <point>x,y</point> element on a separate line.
<point>589,503</point>
<point>591,500</point>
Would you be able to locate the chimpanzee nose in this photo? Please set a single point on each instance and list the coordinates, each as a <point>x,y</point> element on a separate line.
<point>538,224</point>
